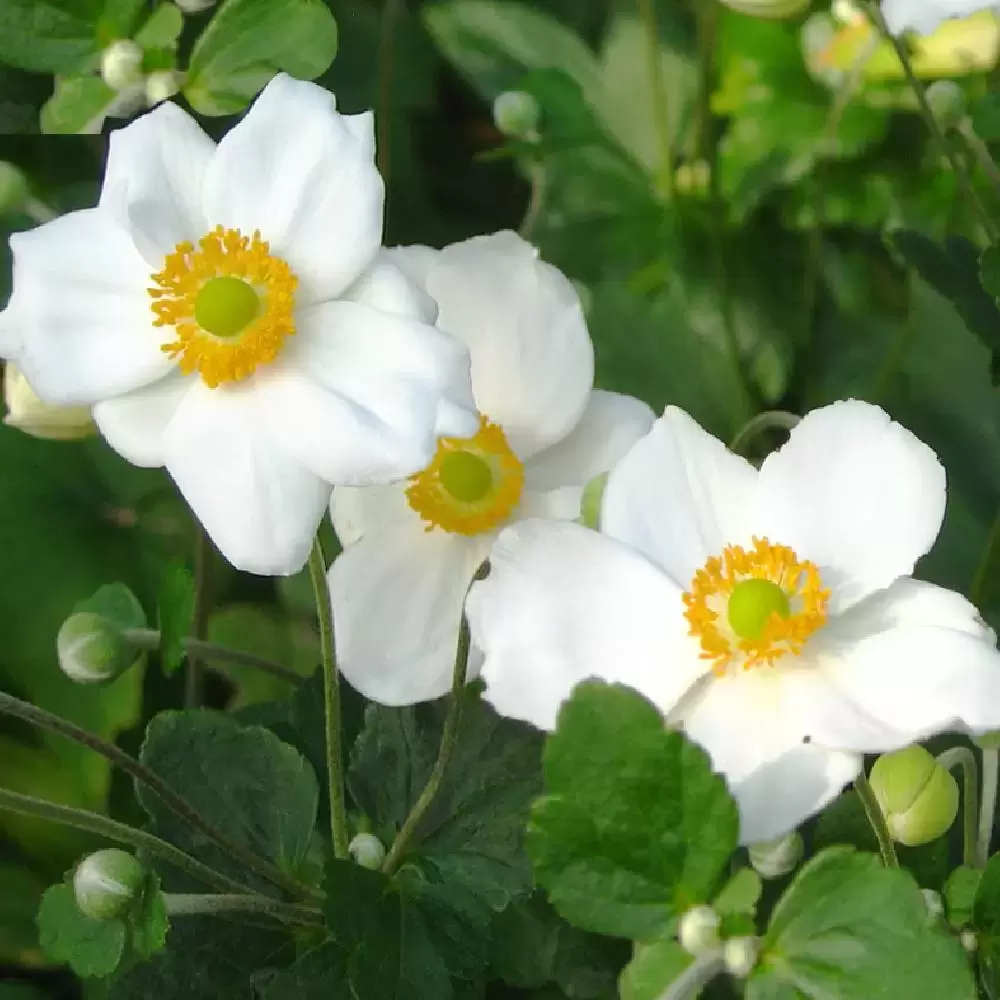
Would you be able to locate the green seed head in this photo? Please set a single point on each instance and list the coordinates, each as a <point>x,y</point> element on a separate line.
<point>466,477</point>
<point>226,306</point>
<point>752,603</point>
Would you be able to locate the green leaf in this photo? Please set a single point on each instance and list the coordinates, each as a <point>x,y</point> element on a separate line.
<point>148,922</point>
<point>20,894</point>
<point>49,36</point>
<point>319,974</point>
<point>241,779</point>
<point>986,923</point>
<point>248,41</point>
<point>740,894</point>
<point>655,966</point>
<point>162,28</point>
<point>91,947</point>
<point>959,892</point>
<point>635,827</point>
<point>78,105</point>
<point>850,928</point>
<point>117,603</point>
<point>174,614</point>
<point>985,115</point>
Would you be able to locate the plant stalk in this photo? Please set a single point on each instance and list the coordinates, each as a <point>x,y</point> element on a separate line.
<point>988,805</point>
<point>185,904</point>
<point>963,757</point>
<point>875,816</point>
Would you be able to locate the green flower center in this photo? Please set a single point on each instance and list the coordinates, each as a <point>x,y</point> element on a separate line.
<point>752,603</point>
<point>466,477</point>
<point>226,306</point>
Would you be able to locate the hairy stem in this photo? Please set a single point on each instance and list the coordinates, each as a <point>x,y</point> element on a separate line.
<point>963,757</point>
<point>875,816</point>
<point>988,804</point>
<point>185,904</point>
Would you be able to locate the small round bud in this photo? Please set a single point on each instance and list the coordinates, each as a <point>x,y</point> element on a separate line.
<point>590,502</point>
<point>934,904</point>
<point>699,930</point>
<point>107,883</point>
<point>918,797</point>
<point>14,188</point>
<point>969,941</point>
<point>28,413</point>
<point>947,101</point>
<point>517,115</point>
<point>92,649</point>
<point>161,85</point>
<point>194,6</point>
<point>367,850</point>
<point>121,64</point>
<point>772,10</point>
<point>740,955</point>
<point>774,858</point>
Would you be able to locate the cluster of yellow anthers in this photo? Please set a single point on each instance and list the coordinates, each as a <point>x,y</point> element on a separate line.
<point>224,253</point>
<point>712,586</point>
<point>472,485</point>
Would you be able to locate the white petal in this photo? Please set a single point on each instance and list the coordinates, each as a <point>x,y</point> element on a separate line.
<point>532,359</point>
<point>134,424</point>
<point>359,510</point>
<point>80,301</point>
<point>924,16</point>
<point>260,506</point>
<point>386,287</point>
<point>305,177</point>
<point>563,603</point>
<point>854,492</point>
<point>679,496</point>
<point>563,503</point>
<point>415,261</point>
<point>779,796</point>
<point>153,182</point>
<point>397,601</point>
<point>608,427</point>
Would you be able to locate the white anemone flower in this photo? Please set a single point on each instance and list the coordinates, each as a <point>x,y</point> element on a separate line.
<point>228,313</point>
<point>925,16</point>
<point>411,550</point>
<point>770,614</point>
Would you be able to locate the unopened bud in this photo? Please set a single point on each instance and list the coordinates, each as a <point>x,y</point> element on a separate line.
<point>161,85</point>
<point>772,10</point>
<point>590,502</point>
<point>14,188</point>
<point>740,955</point>
<point>517,115</point>
<point>947,101</point>
<point>774,858</point>
<point>367,850</point>
<point>92,649</point>
<point>194,6</point>
<point>699,930</point>
<point>917,796</point>
<point>107,883</point>
<point>121,64</point>
<point>28,413</point>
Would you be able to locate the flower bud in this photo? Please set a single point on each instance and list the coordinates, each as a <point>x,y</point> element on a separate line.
<point>367,850</point>
<point>107,883</point>
<point>121,64</point>
<point>774,858</point>
<point>590,502</point>
<point>770,9</point>
<point>918,797</point>
<point>92,649</point>
<point>947,101</point>
<point>969,941</point>
<point>517,115</point>
<point>161,85</point>
<point>194,6</point>
<point>28,413</point>
<point>699,930</point>
<point>14,188</point>
<point>740,955</point>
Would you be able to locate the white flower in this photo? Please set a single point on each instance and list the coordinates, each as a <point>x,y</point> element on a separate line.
<point>924,16</point>
<point>139,307</point>
<point>769,614</point>
<point>28,413</point>
<point>412,549</point>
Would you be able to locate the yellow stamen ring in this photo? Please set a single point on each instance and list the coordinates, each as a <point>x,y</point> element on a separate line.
<point>753,624</point>
<point>230,303</point>
<point>472,485</point>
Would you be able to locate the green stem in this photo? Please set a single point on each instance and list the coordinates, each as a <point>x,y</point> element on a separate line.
<point>536,200</point>
<point>82,819</point>
<point>449,738</point>
<point>988,805</point>
<point>963,757</point>
<point>212,904</point>
<point>331,686</point>
<point>194,679</point>
<point>12,706</point>
<point>658,92</point>
<point>780,419</point>
<point>919,91</point>
<point>149,638</point>
<point>386,71</point>
<point>872,809</point>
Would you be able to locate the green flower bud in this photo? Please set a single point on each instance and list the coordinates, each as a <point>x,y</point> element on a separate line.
<point>947,101</point>
<point>121,64</point>
<point>107,883</point>
<point>772,10</point>
<point>161,85</point>
<point>774,858</point>
<point>590,502</point>
<point>699,930</point>
<point>14,189</point>
<point>517,115</point>
<point>194,6</point>
<point>92,649</point>
<point>918,797</point>
<point>367,850</point>
<point>28,413</point>
<point>740,955</point>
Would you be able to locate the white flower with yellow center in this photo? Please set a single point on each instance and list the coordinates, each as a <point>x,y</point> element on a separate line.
<point>769,614</point>
<point>411,550</point>
<point>228,313</point>
<point>924,16</point>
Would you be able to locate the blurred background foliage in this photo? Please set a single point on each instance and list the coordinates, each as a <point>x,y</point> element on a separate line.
<point>727,193</point>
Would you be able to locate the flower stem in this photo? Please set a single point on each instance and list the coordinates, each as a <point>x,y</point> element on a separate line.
<point>658,93</point>
<point>885,845</point>
<point>964,757</point>
<point>331,686</point>
<point>988,805</point>
<point>185,904</point>
<point>780,419</point>
<point>536,199</point>
<point>82,819</point>
<point>9,705</point>
<point>194,679</point>
<point>149,638</point>
<point>449,738</point>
